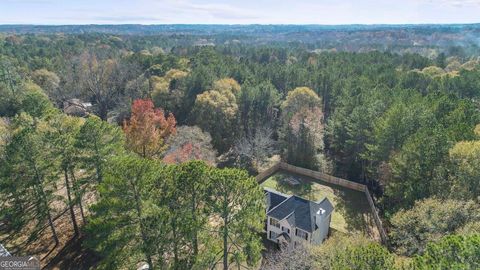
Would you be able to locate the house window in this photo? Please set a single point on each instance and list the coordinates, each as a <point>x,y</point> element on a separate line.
<point>274,223</point>
<point>273,235</point>
<point>301,234</point>
<point>287,230</point>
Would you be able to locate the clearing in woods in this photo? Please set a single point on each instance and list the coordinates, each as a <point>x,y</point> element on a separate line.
<point>352,212</point>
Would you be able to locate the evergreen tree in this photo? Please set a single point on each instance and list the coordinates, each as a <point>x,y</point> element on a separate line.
<point>451,252</point>
<point>98,141</point>
<point>62,132</point>
<point>29,178</point>
<point>126,223</point>
<point>364,257</point>
<point>240,217</point>
<point>192,182</point>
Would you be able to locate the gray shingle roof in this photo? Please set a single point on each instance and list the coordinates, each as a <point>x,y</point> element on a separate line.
<point>299,212</point>
<point>326,205</point>
<point>3,251</point>
<point>275,198</point>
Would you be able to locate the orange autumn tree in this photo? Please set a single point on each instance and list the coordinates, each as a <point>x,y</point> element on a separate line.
<point>148,129</point>
<point>190,143</point>
<point>187,152</point>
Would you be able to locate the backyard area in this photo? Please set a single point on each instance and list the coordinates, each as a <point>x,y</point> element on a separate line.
<point>352,212</point>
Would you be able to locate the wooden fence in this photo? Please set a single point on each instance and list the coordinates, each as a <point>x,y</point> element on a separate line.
<point>376,217</point>
<point>261,177</point>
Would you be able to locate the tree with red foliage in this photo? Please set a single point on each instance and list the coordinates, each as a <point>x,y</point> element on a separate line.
<point>190,143</point>
<point>187,152</point>
<point>148,129</point>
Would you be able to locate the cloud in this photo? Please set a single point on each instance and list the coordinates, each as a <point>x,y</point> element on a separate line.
<point>456,3</point>
<point>238,11</point>
<point>222,11</point>
<point>127,18</point>
<point>152,12</point>
<point>28,2</point>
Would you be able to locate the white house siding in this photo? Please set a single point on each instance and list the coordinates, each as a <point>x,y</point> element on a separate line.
<point>322,232</point>
<point>278,231</point>
<point>301,239</point>
<point>285,224</point>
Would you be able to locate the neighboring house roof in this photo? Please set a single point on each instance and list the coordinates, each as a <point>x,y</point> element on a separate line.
<point>297,211</point>
<point>4,252</point>
<point>76,107</point>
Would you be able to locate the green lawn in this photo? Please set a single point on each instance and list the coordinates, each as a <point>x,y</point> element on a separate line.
<point>352,212</point>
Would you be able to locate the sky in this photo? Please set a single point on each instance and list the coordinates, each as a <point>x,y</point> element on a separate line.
<point>239,11</point>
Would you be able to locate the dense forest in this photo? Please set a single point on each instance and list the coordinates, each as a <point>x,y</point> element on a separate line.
<point>181,122</point>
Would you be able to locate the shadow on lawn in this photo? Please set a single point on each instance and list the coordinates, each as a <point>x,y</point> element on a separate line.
<point>303,189</point>
<point>349,204</point>
<point>74,256</point>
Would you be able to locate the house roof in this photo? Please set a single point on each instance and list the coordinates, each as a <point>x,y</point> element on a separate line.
<point>3,251</point>
<point>275,198</point>
<point>76,107</point>
<point>298,211</point>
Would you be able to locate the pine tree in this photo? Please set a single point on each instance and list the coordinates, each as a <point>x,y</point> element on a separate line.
<point>61,135</point>
<point>126,223</point>
<point>29,177</point>
<point>98,141</point>
<point>189,189</point>
<point>237,201</point>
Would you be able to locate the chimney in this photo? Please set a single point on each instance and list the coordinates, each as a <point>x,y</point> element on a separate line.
<point>319,215</point>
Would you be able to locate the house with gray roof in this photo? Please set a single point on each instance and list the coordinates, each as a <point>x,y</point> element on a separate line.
<point>293,220</point>
<point>76,107</point>
<point>4,252</point>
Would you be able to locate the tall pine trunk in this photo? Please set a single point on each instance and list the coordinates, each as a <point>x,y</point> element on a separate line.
<point>145,247</point>
<point>70,203</point>
<point>103,110</point>
<point>52,227</point>
<point>78,196</point>
<point>43,198</point>
<point>225,232</point>
<point>175,243</point>
<point>195,235</point>
<point>98,169</point>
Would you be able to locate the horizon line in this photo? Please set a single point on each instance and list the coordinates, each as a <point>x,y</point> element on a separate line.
<point>241,24</point>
